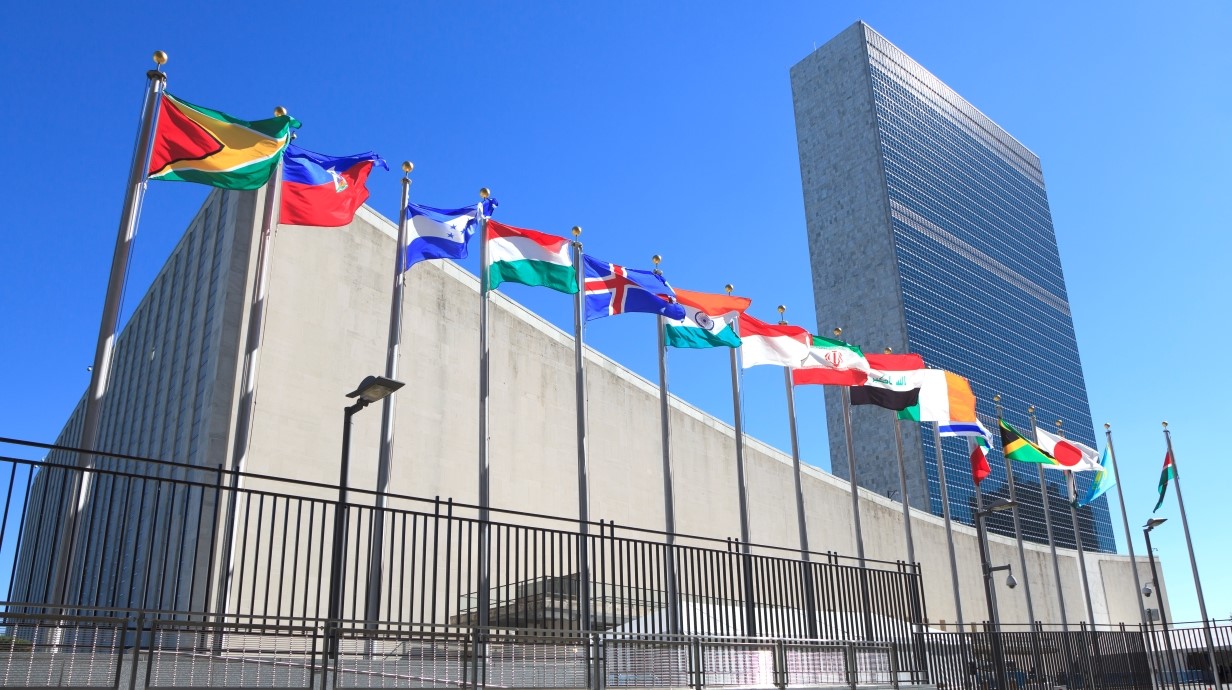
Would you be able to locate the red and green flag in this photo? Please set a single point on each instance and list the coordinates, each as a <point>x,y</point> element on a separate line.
<point>1168,473</point>
<point>196,144</point>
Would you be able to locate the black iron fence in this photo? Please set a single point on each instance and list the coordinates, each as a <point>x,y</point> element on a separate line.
<point>159,536</point>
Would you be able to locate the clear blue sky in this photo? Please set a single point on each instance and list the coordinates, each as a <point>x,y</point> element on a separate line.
<point>661,128</point>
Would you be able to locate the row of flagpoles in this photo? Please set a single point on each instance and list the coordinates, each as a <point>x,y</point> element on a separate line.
<point>180,141</point>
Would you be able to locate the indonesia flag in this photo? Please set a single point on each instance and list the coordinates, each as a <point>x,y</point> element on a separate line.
<point>781,345</point>
<point>324,191</point>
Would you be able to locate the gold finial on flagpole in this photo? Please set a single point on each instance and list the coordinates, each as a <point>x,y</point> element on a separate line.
<point>484,193</point>
<point>407,167</point>
<point>1030,409</point>
<point>655,260</point>
<point>729,287</point>
<point>1107,426</point>
<point>838,332</point>
<point>782,308</point>
<point>160,58</point>
<point>889,350</point>
<point>280,111</point>
<point>1165,425</point>
<point>577,230</point>
<point>1058,422</point>
<point>996,398</point>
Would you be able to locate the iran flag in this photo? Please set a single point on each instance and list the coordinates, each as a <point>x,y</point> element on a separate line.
<point>1070,455</point>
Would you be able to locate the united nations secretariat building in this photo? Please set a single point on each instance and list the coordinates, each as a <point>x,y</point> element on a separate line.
<point>247,563</point>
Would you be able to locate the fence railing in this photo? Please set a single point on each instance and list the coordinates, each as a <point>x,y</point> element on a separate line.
<point>159,536</point>
<point>130,650</point>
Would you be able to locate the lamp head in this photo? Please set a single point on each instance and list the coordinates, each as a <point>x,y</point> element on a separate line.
<point>1154,522</point>
<point>1010,581</point>
<point>374,388</point>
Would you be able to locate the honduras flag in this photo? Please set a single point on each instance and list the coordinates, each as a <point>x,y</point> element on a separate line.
<point>442,233</point>
<point>612,289</point>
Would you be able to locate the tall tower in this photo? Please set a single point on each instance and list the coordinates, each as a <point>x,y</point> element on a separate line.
<point>930,232</point>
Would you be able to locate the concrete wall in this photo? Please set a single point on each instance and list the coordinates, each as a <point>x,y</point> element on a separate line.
<point>326,330</point>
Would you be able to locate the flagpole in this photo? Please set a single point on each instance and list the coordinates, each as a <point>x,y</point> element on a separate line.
<point>949,527</point>
<point>376,554</point>
<point>1193,562</point>
<point>1073,512</point>
<point>248,381</point>
<point>484,531</point>
<point>1129,541</point>
<point>1022,551</point>
<point>750,610</point>
<point>851,466</point>
<point>1052,543</point>
<point>134,192</point>
<point>810,597</point>
<point>855,505</point>
<point>902,483</point>
<point>669,507</point>
<point>583,470</point>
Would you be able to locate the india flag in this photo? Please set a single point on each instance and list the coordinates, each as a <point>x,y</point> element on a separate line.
<point>708,320</point>
<point>529,257</point>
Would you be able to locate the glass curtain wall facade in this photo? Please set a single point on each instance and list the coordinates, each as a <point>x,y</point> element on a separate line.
<point>975,280</point>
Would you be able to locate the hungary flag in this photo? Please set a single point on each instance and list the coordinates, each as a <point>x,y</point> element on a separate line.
<point>708,320</point>
<point>1168,473</point>
<point>195,144</point>
<point>529,257</point>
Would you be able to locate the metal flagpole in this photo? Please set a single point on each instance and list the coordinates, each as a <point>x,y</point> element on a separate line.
<point>134,191</point>
<point>902,484</point>
<point>484,526</point>
<point>1073,513</point>
<point>750,609</point>
<point>376,554</point>
<point>949,527</point>
<point>851,466</point>
<point>669,507</point>
<point>1129,541</point>
<point>1052,543</point>
<point>583,469</point>
<point>248,382</point>
<point>1022,552</point>
<point>1193,563</point>
<point>810,597</point>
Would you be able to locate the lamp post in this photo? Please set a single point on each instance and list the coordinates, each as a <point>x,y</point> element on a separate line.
<point>372,389</point>
<point>998,655</point>
<point>1163,616</point>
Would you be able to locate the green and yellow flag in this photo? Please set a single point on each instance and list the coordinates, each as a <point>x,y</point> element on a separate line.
<point>1015,447</point>
<point>195,144</point>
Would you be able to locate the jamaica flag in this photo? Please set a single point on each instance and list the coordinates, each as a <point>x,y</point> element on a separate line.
<point>195,144</point>
<point>1015,447</point>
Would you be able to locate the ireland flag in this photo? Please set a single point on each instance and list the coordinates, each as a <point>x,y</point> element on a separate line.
<point>529,257</point>
<point>708,320</point>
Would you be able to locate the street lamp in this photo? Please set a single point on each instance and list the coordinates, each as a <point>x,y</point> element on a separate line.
<point>1163,617</point>
<point>998,655</point>
<point>371,389</point>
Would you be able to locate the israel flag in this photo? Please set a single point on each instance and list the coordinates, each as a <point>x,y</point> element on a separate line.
<point>442,233</point>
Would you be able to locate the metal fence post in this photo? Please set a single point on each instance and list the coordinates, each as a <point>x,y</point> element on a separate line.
<point>894,664</point>
<point>780,665</point>
<point>853,674</point>
<point>132,676</point>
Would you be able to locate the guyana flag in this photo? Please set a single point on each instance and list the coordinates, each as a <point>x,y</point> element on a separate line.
<point>1015,447</point>
<point>1169,472</point>
<point>195,144</point>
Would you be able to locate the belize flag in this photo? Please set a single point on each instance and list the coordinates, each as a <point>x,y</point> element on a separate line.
<point>324,191</point>
<point>612,289</point>
<point>442,233</point>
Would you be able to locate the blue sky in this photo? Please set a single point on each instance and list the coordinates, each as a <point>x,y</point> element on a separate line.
<point>661,128</point>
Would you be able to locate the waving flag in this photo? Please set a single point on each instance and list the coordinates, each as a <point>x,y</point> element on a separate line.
<point>832,363</point>
<point>1017,448</point>
<point>442,233</point>
<point>1104,480</point>
<point>979,461</point>
<point>894,382</point>
<point>707,321</point>
<point>944,397</point>
<point>529,257</point>
<point>1068,455</point>
<point>195,144</point>
<point>324,191</point>
<point>1168,473</point>
<point>612,289</point>
<point>777,344</point>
